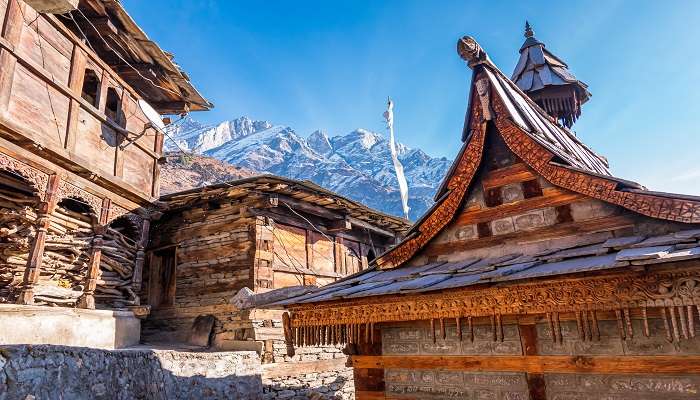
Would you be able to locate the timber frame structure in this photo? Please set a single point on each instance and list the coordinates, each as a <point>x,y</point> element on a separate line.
<point>79,159</point>
<point>253,236</point>
<point>536,274</point>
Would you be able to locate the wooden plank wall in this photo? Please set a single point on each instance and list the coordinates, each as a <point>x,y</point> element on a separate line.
<point>43,66</point>
<point>215,251</point>
<point>511,209</point>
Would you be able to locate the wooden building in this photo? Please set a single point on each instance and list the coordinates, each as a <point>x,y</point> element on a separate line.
<point>536,275</point>
<point>78,156</point>
<point>255,234</point>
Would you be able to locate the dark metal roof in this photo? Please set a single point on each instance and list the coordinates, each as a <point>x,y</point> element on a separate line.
<point>621,252</point>
<point>300,190</point>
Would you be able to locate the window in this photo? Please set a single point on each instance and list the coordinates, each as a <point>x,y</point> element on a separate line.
<point>91,88</point>
<point>161,291</point>
<point>113,105</point>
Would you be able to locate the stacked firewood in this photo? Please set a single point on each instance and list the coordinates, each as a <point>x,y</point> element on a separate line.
<point>17,229</point>
<point>66,259</point>
<point>114,285</point>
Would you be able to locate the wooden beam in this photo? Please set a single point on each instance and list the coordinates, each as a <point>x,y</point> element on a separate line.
<point>365,225</point>
<point>538,364</point>
<point>36,251</point>
<point>306,207</point>
<point>339,225</point>
<point>276,370</point>
<point>515,173</point>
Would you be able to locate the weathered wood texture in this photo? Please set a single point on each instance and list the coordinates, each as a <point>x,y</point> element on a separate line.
<point>226,244</point>
<point>46,104</point>
<point>72,261</point>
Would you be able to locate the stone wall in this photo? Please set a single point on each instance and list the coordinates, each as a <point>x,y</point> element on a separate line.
<point>56,372</point>
<point>313,372</point>
<point>417,340</point>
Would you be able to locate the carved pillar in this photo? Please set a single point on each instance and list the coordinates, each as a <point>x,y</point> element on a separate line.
<point>87,300</point>
<point>36,251</point>
<point>140,257</point>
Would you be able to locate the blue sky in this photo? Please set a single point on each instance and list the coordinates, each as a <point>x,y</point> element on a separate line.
<point>330,65</point>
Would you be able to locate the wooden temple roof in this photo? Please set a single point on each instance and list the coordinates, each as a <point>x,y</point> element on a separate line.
<point>559,157</point>
<point>150,70</point>
<point>294,191</point>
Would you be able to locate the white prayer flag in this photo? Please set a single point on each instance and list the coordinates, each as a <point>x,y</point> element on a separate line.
<point>403,185</point>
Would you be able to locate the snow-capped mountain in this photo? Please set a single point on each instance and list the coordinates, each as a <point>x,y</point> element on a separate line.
<point>357,165</point>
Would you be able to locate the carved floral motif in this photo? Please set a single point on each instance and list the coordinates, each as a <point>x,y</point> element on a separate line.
<point>68,190</point>
<point>663,289</point>
<point>39,178</point>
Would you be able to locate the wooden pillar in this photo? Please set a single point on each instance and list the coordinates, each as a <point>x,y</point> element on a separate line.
<point>75,82</point>
<point>36,250</point>
<point>11,34</point>
<point>158,148</point>
<point>339,256</point>
<point>369,382</point>
<point>535,381</point>
<point>87,300</point>
<point>140,257</point>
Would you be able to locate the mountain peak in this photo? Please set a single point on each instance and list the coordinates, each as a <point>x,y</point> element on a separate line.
<point>357,165</point>
<point>320,143</point>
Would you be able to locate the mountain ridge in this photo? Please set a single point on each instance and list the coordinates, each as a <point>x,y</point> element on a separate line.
<point>356,165</point>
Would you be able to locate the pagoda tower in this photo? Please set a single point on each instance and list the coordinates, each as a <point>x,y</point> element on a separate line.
<point>546,79</point>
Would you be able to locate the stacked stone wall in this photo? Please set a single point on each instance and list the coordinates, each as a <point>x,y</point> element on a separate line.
<point>65,373</point>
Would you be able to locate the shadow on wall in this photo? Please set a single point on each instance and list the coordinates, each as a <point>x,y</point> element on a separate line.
<point>299,390</point>
<point>49,372</point>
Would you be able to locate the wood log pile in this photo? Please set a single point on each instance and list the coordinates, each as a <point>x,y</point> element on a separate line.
<point>17,221</point>
<point>66,258</point>
<point>114,284</point>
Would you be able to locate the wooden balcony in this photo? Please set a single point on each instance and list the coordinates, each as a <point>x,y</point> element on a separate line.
<point>60,100</point>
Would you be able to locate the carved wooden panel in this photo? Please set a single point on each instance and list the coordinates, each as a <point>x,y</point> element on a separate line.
<point>39,178</point>
<point>621,387</point>
<point>418,340</point>
<point>437,384</point>
<point>68,190</point>
<point>669,290</point>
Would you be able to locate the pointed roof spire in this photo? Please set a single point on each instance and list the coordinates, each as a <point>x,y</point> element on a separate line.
<point>548,81</point>
<point>528,30</point>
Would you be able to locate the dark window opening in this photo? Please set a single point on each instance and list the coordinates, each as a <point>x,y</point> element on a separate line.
<point>564,214</point>
<point>113,105</point>
<point>162,278</point>
<point>493,197</point>
<point>76,206</point>
<point>532,189</point>
<point>91,88</point>
<point>484,229</point>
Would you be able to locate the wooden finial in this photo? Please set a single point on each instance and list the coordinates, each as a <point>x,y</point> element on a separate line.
<point>528,30</point>
<point>470,51</point>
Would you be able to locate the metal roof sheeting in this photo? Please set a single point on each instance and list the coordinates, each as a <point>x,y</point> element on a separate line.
<point>622,252</point>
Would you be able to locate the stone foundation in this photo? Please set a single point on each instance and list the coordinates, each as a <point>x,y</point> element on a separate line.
<point>312,373</point>
<point>67,373</point>
<point>102,329</point>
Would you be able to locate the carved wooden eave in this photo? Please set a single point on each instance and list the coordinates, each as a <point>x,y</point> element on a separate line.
<point>500,104</point>
<point>672,293</point>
